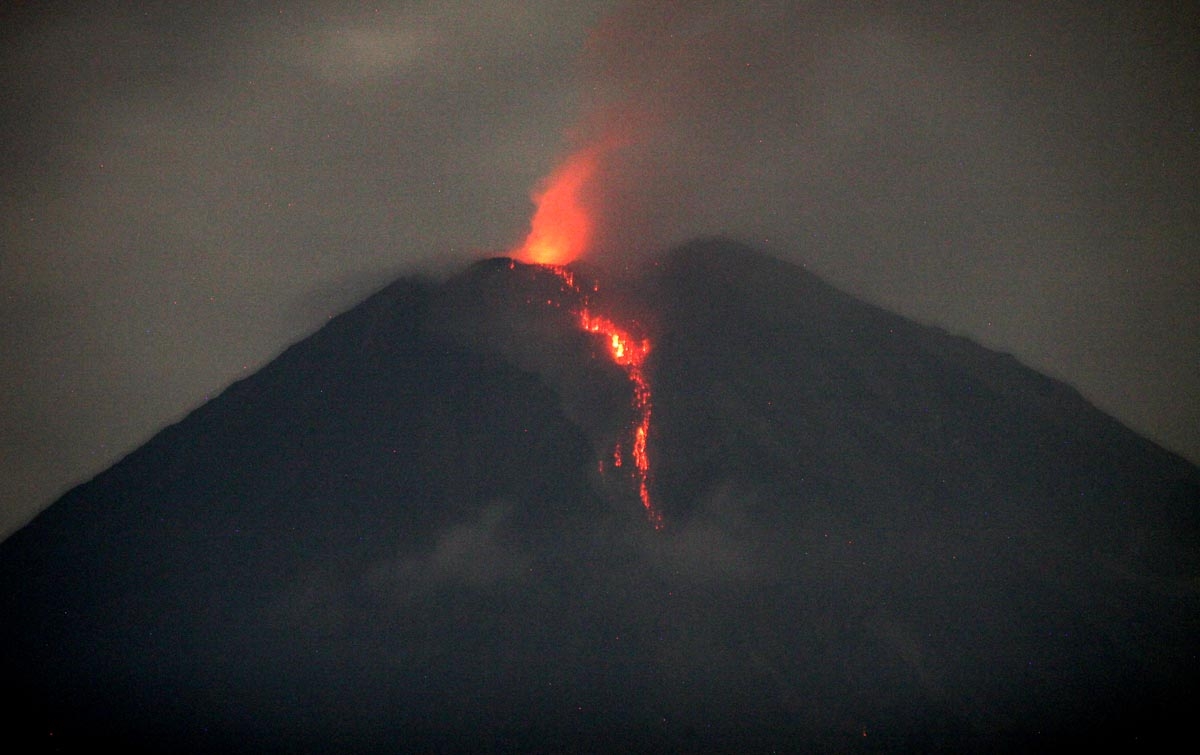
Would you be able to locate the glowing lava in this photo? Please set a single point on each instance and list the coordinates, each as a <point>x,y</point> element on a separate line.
<point>630,355</point>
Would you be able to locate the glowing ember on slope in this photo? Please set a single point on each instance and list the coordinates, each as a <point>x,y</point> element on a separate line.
<point>630,355</point>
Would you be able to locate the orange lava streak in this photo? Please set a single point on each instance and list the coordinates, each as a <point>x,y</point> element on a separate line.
<point>630,355</point>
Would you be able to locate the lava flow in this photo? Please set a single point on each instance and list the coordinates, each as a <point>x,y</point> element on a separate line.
<point>630,355</point>
<point>560,232</point>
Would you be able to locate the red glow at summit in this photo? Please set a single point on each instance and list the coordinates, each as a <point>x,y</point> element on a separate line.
<point>561,229</point>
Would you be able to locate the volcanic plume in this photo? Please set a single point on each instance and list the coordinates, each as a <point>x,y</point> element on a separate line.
<point>561,228</point>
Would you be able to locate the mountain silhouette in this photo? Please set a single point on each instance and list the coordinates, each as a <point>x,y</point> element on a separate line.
<point>407,533</point>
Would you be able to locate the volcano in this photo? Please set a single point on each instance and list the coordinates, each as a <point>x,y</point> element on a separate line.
<point>411,532</point>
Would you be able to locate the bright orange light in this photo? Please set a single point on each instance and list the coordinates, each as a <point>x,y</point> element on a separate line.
<point>630,355</point>
<point>561,232</point>
<point>561,229</point>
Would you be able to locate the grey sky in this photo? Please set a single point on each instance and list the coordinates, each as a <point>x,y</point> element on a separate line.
<point>190,190</point>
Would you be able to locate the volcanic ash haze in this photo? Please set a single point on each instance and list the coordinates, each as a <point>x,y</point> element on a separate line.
<point>399,535</point>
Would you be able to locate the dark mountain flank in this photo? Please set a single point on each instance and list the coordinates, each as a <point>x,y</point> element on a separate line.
<point>408,533</point>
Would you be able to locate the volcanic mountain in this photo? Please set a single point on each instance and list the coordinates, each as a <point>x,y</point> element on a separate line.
<point>413,531</point>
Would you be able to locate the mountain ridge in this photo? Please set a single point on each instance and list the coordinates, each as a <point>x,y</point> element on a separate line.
<point>398,530</point>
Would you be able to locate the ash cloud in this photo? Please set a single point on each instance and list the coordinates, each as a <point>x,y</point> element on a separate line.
<point>1021,176</point>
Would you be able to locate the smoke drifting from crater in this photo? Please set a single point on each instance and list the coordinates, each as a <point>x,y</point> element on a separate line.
<point>1023,177</point>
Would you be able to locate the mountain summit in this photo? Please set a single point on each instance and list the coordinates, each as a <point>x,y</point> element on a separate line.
<point>419,529</point>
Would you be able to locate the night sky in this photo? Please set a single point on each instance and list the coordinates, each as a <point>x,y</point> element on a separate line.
<point>190,189</point>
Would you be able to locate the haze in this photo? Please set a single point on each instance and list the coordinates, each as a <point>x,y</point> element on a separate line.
<point>189,189</point>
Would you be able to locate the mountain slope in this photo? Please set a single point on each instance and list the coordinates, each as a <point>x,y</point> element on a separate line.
<point>398,535</point>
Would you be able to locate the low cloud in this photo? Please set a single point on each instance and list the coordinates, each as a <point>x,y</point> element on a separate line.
<point>479,553</point>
